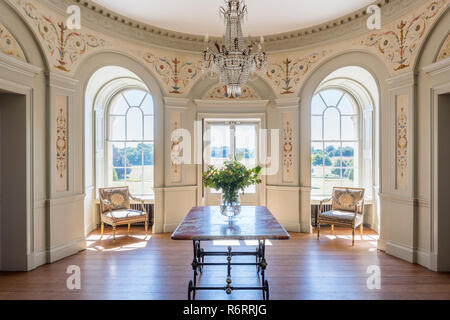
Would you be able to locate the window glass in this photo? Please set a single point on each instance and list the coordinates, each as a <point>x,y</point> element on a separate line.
<point>130,160</point>
<point>335,142</point>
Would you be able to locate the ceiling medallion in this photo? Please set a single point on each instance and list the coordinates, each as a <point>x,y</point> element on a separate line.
<point>233,60</point>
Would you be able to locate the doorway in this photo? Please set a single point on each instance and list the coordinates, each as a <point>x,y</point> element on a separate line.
<point>13,182</point>
<point>443,186</point>
<point>232,139</point>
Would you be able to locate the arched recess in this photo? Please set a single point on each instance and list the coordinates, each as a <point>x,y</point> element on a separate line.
<point>86,158</point>
<point>433,92</point>
<point>378,70</point>
<point>24,235</point>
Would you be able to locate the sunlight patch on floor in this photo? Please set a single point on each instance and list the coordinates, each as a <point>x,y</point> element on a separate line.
<point>97,243</point>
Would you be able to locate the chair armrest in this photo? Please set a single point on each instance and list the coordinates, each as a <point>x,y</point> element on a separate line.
<point>357,208</point>
<point>325,200</point>
<point>139,200</point>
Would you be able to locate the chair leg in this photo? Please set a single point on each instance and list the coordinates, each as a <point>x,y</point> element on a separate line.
<point>114,232</point>
<point>318,231</point>
<point>146,228</point>
<point>361,230</point>
<point>102,230</point>
<point>353,236</point>
<point>332,228</point>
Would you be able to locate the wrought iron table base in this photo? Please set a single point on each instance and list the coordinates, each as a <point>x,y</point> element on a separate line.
<point>199,262</point>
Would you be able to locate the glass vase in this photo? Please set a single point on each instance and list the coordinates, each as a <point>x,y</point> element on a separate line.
<point>230,206</point>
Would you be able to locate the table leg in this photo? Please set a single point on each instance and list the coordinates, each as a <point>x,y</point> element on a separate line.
<point>195,267</point>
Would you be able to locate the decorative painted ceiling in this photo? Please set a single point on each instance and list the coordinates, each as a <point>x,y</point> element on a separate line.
<point>202,16</point>
<point>397,44</point>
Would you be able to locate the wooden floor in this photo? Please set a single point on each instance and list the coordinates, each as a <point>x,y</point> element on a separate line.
<point>159,268</point>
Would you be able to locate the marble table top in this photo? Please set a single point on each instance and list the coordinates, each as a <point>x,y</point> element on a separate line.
<point>207,223</point>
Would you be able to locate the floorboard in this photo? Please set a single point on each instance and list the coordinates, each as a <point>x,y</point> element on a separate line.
<point>133,267</point>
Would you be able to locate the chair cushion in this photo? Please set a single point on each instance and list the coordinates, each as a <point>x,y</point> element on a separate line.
<point>125,214</point>
<point>338,216</point>
<point>346,199</point>
<point>118,197</point>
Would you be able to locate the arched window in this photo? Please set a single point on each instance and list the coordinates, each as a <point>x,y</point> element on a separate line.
<point>336,142</point>
<point>130,141</point>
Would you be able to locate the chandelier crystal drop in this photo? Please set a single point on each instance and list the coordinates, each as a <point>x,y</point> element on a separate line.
<point>234,61</point>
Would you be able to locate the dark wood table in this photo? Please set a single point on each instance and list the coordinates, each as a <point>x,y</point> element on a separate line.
<point>207,224</point>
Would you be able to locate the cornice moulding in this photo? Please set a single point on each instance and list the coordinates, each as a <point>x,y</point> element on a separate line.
<point>288,103</point>
<point>176,102</point>
<point>402,80</point>
<point>19,66</point>
<point>351,25</point>
<point>437,67</point>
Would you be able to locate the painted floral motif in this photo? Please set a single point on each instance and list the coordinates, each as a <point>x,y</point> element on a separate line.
<point>175,147</point>
<point>399,45</point>
<point>288,73</point>
<point>61,142</point>
<point>174,72</point>
<point>402,142</point>
<point>220,93</point>
<point>288,146</point>
<point>9,45</point>
<point>65,45</point>
<point>444,52</point>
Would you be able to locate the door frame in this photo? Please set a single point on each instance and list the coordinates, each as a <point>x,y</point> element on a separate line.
<point>434,217</point>
<point>261,117</point>
<point>27,92</point>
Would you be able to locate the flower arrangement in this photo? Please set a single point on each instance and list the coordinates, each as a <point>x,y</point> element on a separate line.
<point>232,178</point>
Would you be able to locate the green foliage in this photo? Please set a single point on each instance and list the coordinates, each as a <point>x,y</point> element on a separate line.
<point>317,160</point>
<point>233,177</point>
<point>115,175</point>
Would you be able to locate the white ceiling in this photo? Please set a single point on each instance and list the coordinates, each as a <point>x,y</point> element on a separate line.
<point>202,16</point>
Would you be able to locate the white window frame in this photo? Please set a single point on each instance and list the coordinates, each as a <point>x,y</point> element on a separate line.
<point>359,181</point>
<point>107,140</point>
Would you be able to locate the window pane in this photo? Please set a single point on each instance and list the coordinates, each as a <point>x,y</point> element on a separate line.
<point>317,106</point>
<point>134,125</point>
<point>349,128</point>
<point>134,97</point>
<point>118,155</point>
<point>149,128</point>
<point>220,144</point>
<point>246,149</point>
<point>332,124</point>
<point>148,154</point>
<point>316,127</point>
<point>147,105</point>
<point>331,97</point>
<point>347,107</point>
<point>119,106</point>
<point>246,145</point>
<point>117,128</point>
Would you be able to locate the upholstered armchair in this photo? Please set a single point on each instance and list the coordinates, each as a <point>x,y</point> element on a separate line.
<point>347,210</point>
<point>115,209</point>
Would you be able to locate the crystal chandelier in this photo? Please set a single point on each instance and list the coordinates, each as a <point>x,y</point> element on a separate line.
<point>234,61</point>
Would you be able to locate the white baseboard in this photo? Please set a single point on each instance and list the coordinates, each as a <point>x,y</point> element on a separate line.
<point>381,245</point>
<point>90,228</point>
<point>423,258</point>
<point>66,250</point>
<point>291,226</point>
<point>168,228</point>
<point>400,251</point>
<point>57,253</point>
